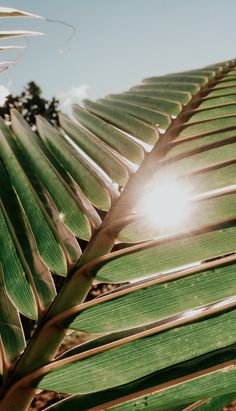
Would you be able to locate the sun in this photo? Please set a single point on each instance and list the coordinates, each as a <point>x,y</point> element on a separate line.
<point>165,204</point>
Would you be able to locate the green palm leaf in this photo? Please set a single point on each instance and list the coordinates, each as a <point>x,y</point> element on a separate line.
<point>103,155</point>
<point>12,335</point>
<point>216,403</point>
<point>167,338</point>
<point>159,397</point>
<point>95,186</point>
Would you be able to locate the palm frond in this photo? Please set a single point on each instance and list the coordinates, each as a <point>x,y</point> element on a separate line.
<point>167,338</point>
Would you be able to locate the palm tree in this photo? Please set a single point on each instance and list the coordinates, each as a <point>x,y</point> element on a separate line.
<point>158,164</point>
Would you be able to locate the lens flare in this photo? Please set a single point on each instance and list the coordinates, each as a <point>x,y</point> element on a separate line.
<point>165,204</point>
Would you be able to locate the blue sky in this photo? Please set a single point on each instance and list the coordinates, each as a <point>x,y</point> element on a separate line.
<point>119,42</point>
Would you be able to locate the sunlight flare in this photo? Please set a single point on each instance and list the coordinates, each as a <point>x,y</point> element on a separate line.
<point>166,204</point>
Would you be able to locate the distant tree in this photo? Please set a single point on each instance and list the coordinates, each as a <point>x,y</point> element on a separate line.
<point>30,103</point>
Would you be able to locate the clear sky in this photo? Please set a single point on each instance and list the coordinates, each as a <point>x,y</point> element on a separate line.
<point>119,42</point>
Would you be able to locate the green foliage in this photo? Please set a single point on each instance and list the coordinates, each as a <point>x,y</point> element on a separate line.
<point>166,339</point>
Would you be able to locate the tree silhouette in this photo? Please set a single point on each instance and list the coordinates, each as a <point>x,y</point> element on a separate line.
<point>30,103</point>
